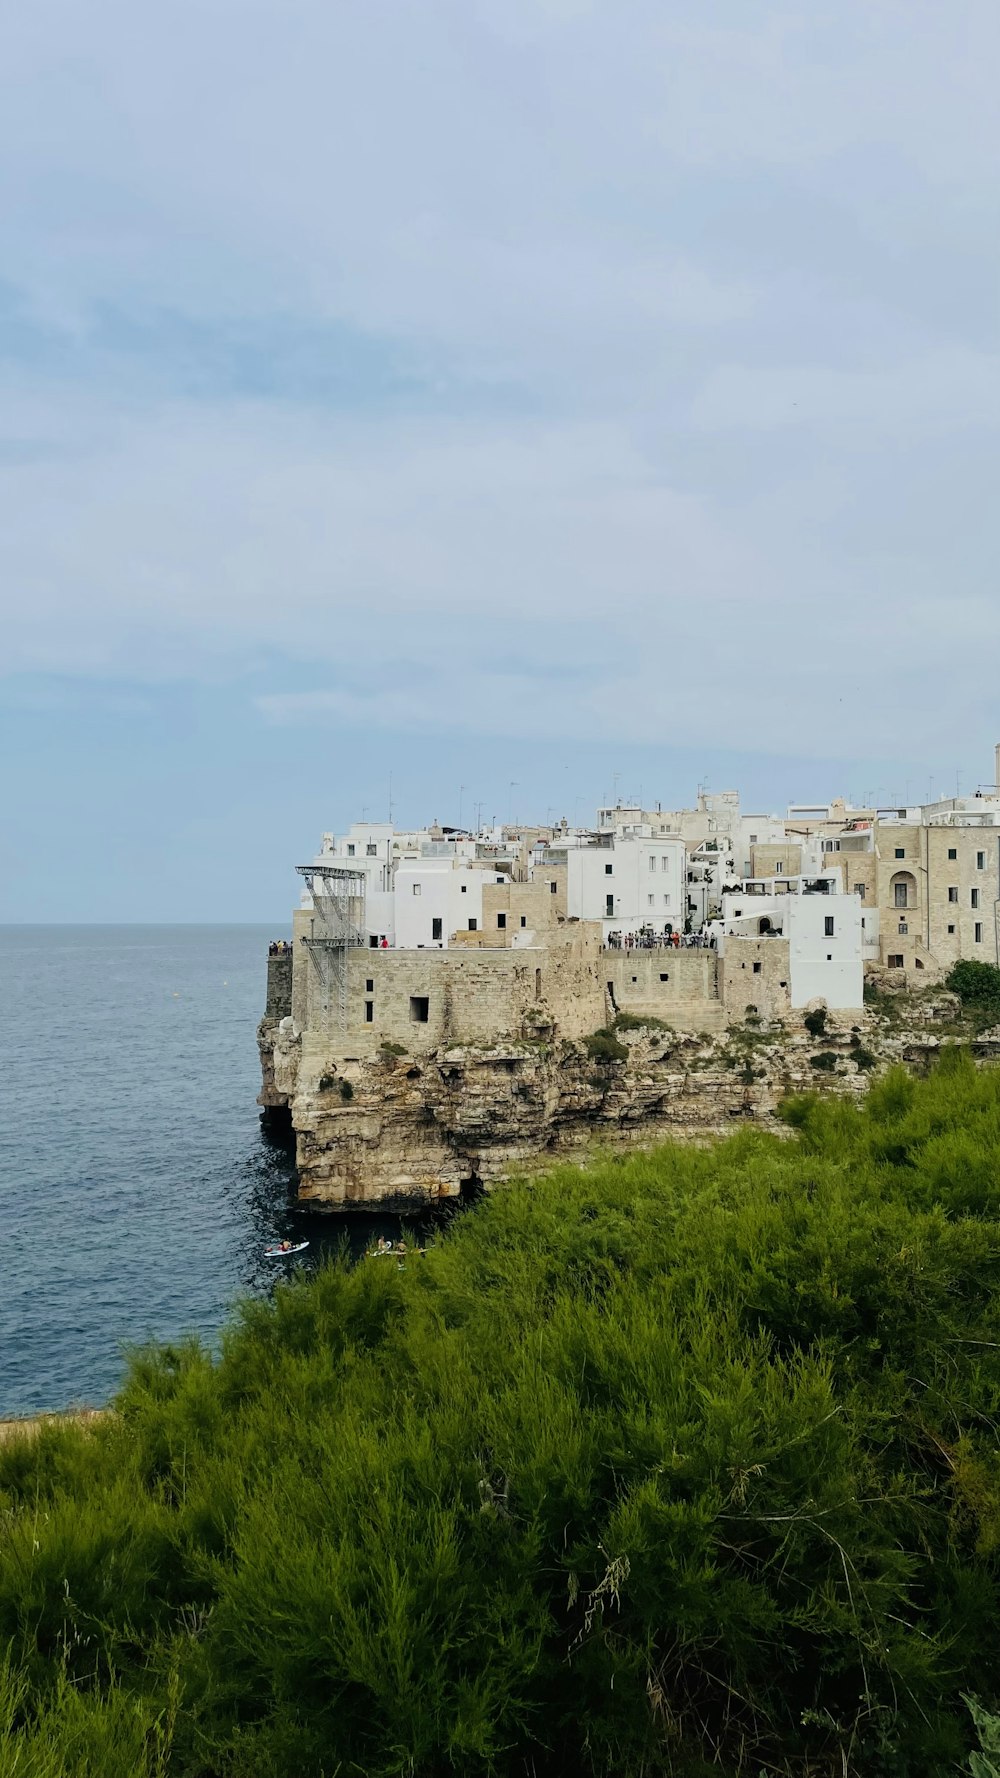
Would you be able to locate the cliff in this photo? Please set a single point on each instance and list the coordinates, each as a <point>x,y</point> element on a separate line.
<point>401,1131</point>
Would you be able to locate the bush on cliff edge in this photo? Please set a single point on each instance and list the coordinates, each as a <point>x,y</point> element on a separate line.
<point>685,1464</point>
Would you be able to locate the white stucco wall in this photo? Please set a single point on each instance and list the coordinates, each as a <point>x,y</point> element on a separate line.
<point>631,871</point>
<point>823,964</point>
<point>434,890</point>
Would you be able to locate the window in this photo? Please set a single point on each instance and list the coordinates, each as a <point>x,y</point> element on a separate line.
<point>895,962</point>
<point>978,933</point>
<point>465,888</point>
<point>952,851</point>
<point>437,928</point>
<point>951,929</point>
<point>664,975</point>
<point>609,907</point>
<point>370,985</point>
<point>859,889</point>
<point>416,888</point>
<point>652,861</point>
<point>651,900</point>
<point>666,901</point>
<point>350,851</point>
<point>664,862</point>
<point>980,860</point>
<point>900,851</point>
<point>420,1008</point>
<point>608,869</point>
<point>779,869</point>
<point>828,926</point>
<point>524,920</point>
<point>903,929</point>
<point>753,839</point>
<point>369,1011</point>
<point>501,922</point>
<point>473,925</point>
<point>552,888</point>
<point>756,969</point>
<point>974,895</point>
<point>373,941</point>
<point>953,893</point>
<point>371,851</point>
<point>899,895</point>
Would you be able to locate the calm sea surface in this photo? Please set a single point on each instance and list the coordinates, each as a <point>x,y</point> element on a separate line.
<point>137,1190</point>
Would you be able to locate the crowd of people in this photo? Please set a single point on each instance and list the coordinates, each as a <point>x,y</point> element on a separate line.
<point>648,940</point>
<point>279,947</point>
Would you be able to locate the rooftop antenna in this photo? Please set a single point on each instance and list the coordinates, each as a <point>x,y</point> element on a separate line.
<point>461,793</point>
<point>513,785</point>
<point>390,799</point>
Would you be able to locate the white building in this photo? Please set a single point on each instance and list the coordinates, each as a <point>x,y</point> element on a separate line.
<point>628,882</point>
<point>435,897</point>
<point>823,927</point>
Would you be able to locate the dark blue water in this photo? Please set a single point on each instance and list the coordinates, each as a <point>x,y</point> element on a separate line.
<point>137,1189</point>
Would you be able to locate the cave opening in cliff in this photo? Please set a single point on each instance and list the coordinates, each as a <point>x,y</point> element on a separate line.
<point>471,1189</point>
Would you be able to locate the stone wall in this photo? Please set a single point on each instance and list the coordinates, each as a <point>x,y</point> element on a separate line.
<point>279,987</point>
<point>523,907</point>
<point>679,986</point>
<point>755,973</point>
<point>423,999</point>
<point>774,860</point>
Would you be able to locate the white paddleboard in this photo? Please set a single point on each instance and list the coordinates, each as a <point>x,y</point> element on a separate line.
<point>284,1252</point>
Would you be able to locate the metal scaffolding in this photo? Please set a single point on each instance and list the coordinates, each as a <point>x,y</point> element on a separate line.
<point>338,926</point>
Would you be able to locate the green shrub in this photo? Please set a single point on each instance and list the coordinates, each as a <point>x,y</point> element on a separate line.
<point>676,1464</point>
<point>603,1046</point>
<point>863,1057</point>
<point>392,1049</point>
<point>346,1091</point>
<point>825,1060</point>
<point>815,1021</point>
<point>985,1763</point>
<point>977,986</point>
<point>627,1021</point>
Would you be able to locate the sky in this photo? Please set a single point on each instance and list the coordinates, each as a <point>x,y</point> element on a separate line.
<point>483,406</point>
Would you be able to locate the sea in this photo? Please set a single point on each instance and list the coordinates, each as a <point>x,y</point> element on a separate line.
<point>138,1188</point>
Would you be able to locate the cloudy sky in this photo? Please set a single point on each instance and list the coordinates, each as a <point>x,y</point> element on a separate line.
<point>514,400</point>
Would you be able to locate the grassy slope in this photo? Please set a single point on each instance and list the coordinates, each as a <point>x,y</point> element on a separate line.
<point>685,1462</point>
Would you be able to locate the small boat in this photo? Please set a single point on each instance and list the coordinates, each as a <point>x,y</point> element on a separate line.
<point>277,1251</point>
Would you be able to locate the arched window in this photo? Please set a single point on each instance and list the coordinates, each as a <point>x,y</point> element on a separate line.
<point>903,889</point>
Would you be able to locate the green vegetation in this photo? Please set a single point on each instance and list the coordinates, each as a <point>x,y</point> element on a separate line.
<point>627,1021</point>
<point>978,988</point>
<point>815,1021</point>
<point>988,1730</point>
<point>392,1049</point>
<point>825,1060</point>
<point>346,1091</point>
<point>603,1046</point>
<point>679,1465</point>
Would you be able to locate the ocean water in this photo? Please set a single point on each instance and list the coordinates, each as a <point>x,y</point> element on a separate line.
<point>137,1188</point>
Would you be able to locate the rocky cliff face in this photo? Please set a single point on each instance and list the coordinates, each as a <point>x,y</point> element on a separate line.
<point>402,1132</point>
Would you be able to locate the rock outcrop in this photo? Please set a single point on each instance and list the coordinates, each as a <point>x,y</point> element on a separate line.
<point>401,1132</point>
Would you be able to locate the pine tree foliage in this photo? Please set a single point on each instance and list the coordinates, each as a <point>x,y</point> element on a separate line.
<point>684,1464</point>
